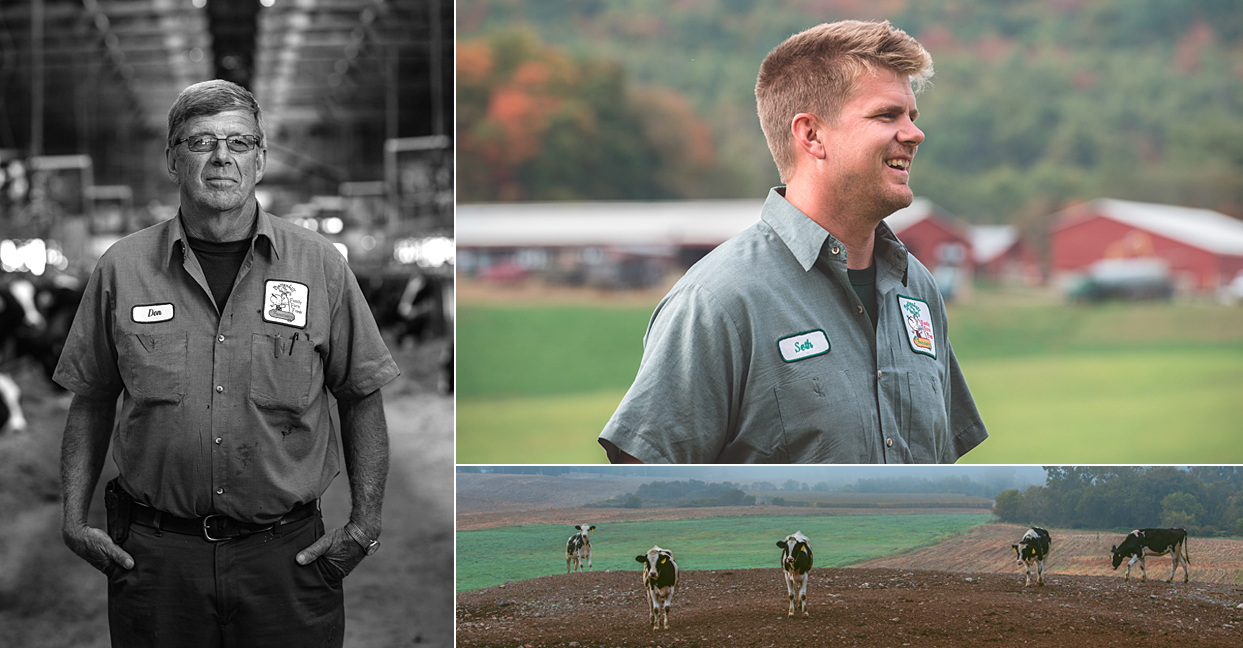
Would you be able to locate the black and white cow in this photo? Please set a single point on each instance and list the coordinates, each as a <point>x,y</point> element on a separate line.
<point>1032,549</point>
<point>11,417</point>
<point>660,577</point>
<point>578,549</point>
<point>796,563</point>
<point>1153,542</point>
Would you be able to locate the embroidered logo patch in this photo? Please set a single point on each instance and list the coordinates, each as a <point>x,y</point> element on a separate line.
<point>803,345</point>
<point>284,302</point>
<point>151,313</point>
<point>917,317</point>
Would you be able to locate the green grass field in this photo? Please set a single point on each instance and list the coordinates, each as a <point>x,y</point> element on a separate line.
<point>522,552</point>
<point>1115,383</point>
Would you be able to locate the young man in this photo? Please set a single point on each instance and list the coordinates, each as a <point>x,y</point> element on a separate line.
<point>225,330</point>
<point>813,336</point>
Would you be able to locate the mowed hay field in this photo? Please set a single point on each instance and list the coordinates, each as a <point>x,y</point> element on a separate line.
<point>1138,383</point>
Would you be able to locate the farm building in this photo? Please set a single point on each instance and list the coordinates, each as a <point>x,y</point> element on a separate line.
<point>1203,248</point>
<point>935,237</point>
<point>1001,254</point>
<point>607,244</point>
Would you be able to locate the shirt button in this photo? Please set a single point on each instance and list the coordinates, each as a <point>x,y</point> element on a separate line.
<point>860,309</point>
<point>220,491</point>
<point>879,373</point>
<point>835,249</point>
<point>220,338</point>
<point>889,442</point>
<point>219,440</point>
<point>219,389</point>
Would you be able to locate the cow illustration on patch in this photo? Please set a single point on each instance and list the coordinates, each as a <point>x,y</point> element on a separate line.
<point>285,302</point>
<point>917,317</point>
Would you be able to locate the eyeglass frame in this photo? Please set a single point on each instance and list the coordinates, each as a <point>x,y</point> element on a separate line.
<point>217,140</point>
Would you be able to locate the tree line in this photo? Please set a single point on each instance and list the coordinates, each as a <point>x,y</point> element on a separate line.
<point>1205,500</point>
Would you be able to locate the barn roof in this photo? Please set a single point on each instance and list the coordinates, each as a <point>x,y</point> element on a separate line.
<point>578,224</point>
<point>1202,228</point>
<point>920,210</point>
<point>991,241</point>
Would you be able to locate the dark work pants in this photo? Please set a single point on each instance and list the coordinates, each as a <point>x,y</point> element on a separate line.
<point>186,592</point>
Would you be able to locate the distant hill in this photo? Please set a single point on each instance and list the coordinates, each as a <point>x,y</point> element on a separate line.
<point>1035,104</point>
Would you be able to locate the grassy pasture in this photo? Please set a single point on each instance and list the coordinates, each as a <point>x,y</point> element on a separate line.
<point>493,556</point>
<point>1114,383</point>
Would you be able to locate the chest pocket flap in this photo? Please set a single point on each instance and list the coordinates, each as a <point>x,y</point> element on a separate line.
<point>153,367</point>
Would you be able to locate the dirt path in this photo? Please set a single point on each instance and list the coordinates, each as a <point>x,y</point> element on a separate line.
<point>402,596</point>
<point>852,607</point>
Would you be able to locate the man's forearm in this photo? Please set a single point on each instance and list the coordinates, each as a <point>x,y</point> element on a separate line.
<point>364,440</point>
<point>84,449</point>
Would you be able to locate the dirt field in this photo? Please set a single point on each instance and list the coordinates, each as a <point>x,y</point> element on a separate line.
<point>402,596</point>
<point>852,607</point>
<point>966,591</point>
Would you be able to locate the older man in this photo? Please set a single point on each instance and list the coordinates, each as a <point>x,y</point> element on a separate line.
<point>224,330</point>
<point>813,336</point>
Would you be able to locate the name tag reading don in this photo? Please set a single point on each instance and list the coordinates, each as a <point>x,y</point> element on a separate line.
<point>152,313</point>
<point>803,345</point>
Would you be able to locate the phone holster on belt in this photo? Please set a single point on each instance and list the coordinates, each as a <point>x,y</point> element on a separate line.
<point>119,506</point>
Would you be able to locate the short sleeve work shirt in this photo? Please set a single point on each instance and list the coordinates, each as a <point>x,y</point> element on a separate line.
<point>763,352</point>
<point>225,412</point>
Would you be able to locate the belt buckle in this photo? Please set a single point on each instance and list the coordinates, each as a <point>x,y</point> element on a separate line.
<point>207,527</point>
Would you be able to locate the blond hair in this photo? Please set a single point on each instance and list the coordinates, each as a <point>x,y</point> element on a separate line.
<point>816,71</point>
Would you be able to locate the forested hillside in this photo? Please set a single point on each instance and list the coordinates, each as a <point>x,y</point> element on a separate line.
<point>1035,103</point>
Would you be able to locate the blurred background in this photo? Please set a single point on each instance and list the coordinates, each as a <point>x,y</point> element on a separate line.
<point>358,100</point>
<point>1078,199</point>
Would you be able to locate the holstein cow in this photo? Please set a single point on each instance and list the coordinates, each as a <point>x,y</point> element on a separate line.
<point>1033,548</point>
<point>796,562</point>
<point>660,577</point>
<point>1153,542</point>
<point>11,418</point>
<point>578,549</point>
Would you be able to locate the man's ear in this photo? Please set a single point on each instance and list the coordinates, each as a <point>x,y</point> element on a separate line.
<point>807,130</point>
<point>261,164</point>
<point>170,161</point>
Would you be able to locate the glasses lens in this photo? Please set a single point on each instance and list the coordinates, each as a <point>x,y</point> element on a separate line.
<point>201,144</point>
<point>241,143</point>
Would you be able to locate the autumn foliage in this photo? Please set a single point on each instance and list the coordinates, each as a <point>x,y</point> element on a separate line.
<point>536,124</point>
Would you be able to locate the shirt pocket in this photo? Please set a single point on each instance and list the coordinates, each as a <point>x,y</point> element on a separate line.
<point>925,421</point>
<point>821,420</point>
<point>153,367</point>
<point>280,376</point>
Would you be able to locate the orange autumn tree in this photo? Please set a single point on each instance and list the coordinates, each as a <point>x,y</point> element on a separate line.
<point>536,124</point>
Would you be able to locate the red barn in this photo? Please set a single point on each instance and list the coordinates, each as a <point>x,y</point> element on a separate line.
<point>932,235</point>
<point>1002,255</point>
<point>1203,248</point>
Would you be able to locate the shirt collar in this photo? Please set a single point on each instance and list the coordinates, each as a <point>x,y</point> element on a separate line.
<point>263,229</point>
<point>806,239</point>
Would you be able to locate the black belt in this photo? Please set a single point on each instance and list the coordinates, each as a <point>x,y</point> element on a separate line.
<point>215,528</point>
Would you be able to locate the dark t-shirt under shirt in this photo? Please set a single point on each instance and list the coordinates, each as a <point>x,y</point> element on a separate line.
<point>864,283</point>
<point>220,262</point>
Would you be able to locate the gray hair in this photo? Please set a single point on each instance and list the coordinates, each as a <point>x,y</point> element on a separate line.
<point>211,98</point>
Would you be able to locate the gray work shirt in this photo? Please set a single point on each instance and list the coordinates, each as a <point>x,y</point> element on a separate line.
<point>762,352</point>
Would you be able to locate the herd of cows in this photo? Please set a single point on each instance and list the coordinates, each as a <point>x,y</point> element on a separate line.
<point>660,572</point>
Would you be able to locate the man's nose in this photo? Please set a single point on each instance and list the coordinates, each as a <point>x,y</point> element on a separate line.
<point>221,153</point>
<point>910,134</point>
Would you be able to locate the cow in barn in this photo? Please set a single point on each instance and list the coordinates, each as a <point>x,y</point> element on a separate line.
<point>796,563</point>
<point>1032,548</point>
<point>578,549</point>
<point>35,318</point>
<point>11,417</point>
<point>660,577</point>
<point>1153,542</point>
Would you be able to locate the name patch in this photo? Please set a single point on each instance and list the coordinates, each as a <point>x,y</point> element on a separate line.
<point>284,302</point>
<point>803,345</point>
<point>917,317</point>
<point>151,313</point>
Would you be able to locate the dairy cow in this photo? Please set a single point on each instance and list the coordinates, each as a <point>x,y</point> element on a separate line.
<point>796,563</point>
<point>11,417</point>
<point>578,548</point>
<point>1152,542</point>
<point>1032,548</point>
<point>660,577</point>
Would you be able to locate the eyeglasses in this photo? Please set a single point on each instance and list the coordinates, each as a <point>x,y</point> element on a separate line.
<point>208,143</point>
